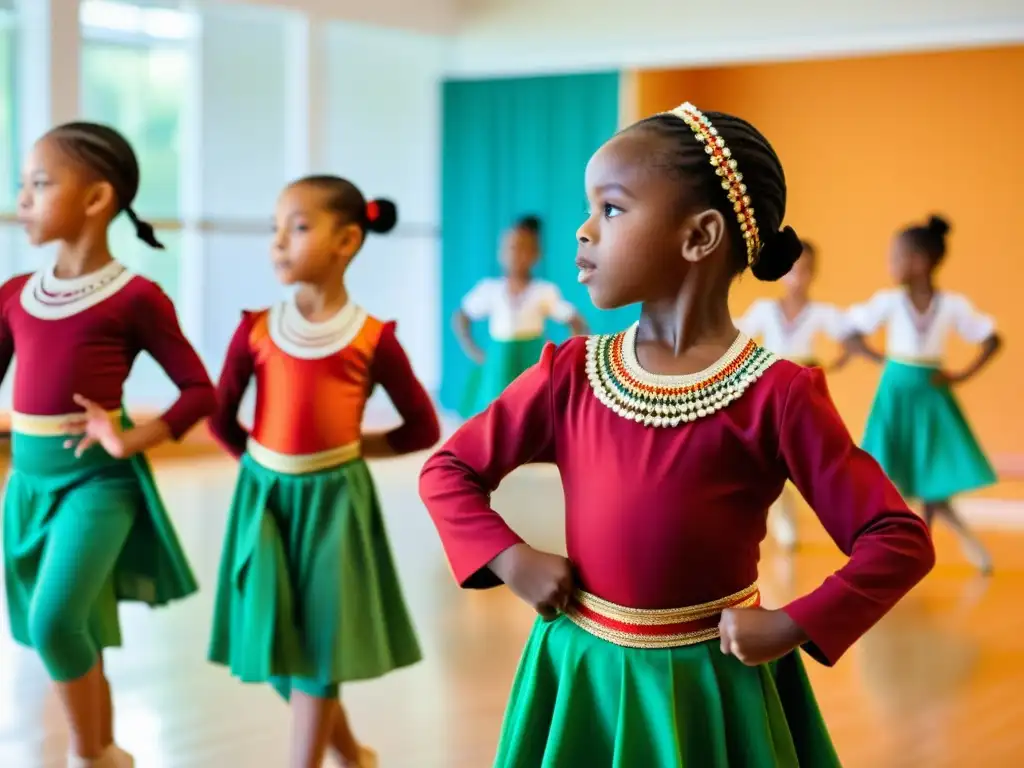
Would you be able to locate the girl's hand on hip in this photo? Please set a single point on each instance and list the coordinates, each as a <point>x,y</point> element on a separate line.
<point>758,635</point>
<point>543,580</point>
<point>96,428</point>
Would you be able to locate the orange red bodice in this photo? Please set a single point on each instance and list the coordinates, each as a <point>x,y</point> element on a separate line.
<point>326,396</point>
<point>310,399</point>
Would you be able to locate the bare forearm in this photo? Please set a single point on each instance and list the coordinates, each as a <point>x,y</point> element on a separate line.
<point>578,326</point>
<point>463,332</point>
<point>143,437</point>
<point>375,445</point>
<point>840,362</point>
<point>989,348</point>
<point>855,345</point>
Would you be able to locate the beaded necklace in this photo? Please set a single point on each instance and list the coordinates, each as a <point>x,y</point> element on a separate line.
<point>620,383</point>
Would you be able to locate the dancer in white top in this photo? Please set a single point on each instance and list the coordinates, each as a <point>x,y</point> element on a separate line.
<point>789,327</point>
<point>516,306</point>
<point>916,429</point>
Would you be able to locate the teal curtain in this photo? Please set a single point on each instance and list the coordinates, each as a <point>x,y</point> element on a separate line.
<point>513,147</point>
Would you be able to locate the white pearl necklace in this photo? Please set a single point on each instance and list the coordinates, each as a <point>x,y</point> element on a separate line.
<point>49,297</point>
<point>296,336</point>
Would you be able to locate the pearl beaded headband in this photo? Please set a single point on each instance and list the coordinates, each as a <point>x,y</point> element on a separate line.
<point>725,167</point>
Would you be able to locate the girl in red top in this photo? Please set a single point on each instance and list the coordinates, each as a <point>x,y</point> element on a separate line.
<point>84,527</point>
<point>308,595</point>
<point>672,439</point>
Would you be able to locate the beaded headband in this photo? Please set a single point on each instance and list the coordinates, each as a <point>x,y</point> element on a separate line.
<point>725,167</point>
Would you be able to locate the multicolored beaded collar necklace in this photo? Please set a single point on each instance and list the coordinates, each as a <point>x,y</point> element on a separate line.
<point>620,383</point>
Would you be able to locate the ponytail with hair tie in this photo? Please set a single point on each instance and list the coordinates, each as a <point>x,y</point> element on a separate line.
<point>144,230</point>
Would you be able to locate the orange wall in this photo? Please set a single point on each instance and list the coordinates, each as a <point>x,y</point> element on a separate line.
<point>870,145</point>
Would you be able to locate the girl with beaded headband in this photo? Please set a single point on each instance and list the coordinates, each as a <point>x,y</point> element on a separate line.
<point>916,429</point>
<point>308,596</point>
<point>672,439</point>
<point>84,526</point>
<point>516,306</point>
<point>789,327</point>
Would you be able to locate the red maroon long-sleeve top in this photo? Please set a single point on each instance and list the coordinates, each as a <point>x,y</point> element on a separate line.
<point>673,517</point>
<point>305,406</point>
<point>92,352</point>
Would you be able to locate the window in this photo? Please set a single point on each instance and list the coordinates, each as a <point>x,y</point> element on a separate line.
<point>135,78</point>
<point>9,161</point>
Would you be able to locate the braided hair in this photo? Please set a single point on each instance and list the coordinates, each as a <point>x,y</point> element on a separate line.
<point>929,239</point>
<point>762,173</point>
<point>346,201</point>
<point>107,153</point>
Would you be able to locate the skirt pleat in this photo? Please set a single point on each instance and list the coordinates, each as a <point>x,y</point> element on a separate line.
<point>307,585</point>
<point>579,700</point>
<point>918,434</point>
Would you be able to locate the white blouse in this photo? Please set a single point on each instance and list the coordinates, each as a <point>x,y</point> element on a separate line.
<point>516,317</point>
<point>792,339</point>
<point>915,336</point>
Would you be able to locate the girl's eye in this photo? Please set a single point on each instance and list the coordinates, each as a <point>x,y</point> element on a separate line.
<point>610,211</point>
<point>301,227</point>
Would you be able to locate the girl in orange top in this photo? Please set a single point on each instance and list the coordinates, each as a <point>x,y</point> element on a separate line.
<point>308,595</point>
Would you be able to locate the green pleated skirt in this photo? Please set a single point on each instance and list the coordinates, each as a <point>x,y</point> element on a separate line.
<point>918,434</point>
<point>152,567</point>
<point>579,700</point>
<point>307,585</point>
<point>504,363</point>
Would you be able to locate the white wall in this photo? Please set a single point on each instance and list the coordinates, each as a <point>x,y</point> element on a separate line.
<point>376,105</point>
<point>526,36</point>
<point>384,133</point>
<point>430,16</point>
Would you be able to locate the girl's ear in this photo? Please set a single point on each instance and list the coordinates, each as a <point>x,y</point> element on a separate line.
<point>100,197</point>
<point>703,233</point>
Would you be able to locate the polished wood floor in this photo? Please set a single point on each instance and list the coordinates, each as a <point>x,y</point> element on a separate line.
<point>936,684</point>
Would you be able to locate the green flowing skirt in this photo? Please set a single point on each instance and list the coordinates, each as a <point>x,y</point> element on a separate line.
<point>152,567</point>
<point>307,585</point>
<point>579,701</point>
<point>504,363</point>
<point>918,434</point>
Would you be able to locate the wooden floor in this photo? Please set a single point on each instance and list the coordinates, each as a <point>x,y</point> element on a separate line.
<point>937,683</point>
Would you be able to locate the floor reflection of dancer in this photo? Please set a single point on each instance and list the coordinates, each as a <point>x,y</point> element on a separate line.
<point>516,307</point>
<point>916,429</point>
<point>789,327</point>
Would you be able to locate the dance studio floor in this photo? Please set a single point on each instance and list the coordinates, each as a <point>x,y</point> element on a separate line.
<point>938,683</point>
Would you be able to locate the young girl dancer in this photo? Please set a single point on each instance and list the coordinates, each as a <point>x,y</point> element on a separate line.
<point>916,429</point>
<point>672,438</point>
<point>516,307</point>
<point>308,595</point>
<point>789,327</point>
<point>84,527</point>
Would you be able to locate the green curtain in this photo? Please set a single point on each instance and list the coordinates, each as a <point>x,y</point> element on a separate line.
<point>513,147</point>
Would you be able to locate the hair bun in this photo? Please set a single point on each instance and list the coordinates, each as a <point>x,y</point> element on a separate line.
<point>779,252</point>
<point>381,216</point>
<point>938,226</point>
<point>530,224</point>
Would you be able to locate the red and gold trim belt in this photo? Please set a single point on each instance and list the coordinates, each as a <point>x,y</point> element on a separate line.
<point>650,628</point>
<point>720,157</point>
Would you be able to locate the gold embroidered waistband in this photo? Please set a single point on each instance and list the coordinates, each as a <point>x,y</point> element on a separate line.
<point>655,628</point>
<point>301,464</point>
<point>917,362</point>
<point>49,426</point>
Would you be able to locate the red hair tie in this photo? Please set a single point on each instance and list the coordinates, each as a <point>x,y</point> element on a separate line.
<point>372,210</point>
